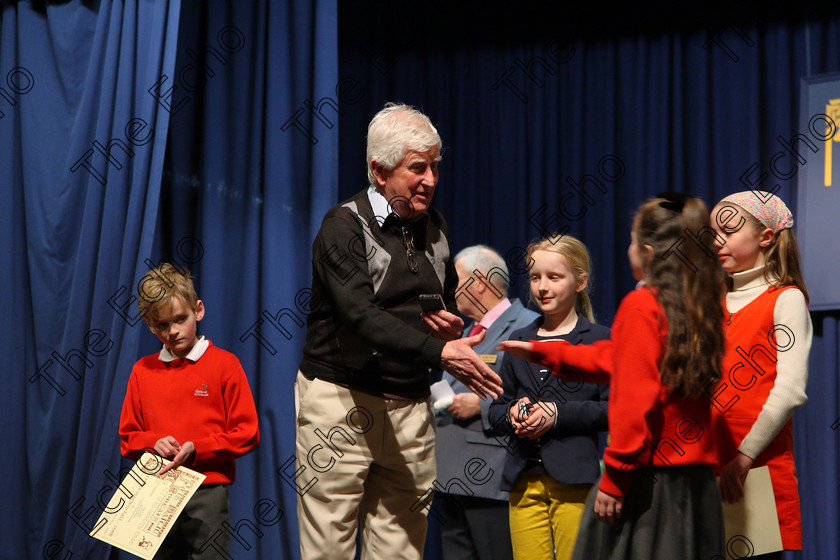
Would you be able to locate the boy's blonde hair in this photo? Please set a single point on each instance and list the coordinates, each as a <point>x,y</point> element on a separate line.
<point>578,258</point>
<point>157,288</point>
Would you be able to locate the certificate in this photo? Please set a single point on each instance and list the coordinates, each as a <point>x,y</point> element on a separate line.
<point>752,525</point>
<point>145,506</point>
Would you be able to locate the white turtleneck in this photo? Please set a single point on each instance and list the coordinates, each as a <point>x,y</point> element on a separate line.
<point>788,392</point>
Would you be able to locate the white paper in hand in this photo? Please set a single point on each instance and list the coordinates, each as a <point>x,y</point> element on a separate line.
<point>442,395</point>
<point>752,525</point>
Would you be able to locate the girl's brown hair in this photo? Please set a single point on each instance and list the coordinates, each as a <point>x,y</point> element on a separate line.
<point>578,258</point>
<point>689,285</point>
<point>782,258</point>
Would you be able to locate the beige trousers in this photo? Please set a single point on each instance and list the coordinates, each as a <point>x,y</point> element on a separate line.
<point>365,461</point>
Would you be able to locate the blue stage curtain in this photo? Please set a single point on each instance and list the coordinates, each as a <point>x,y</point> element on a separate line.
<point>525,97</point>
<point>83,145</point>
<point>251,171</point>
<point>242,196</point>
<point>531,98</point>
<point>816,429</point>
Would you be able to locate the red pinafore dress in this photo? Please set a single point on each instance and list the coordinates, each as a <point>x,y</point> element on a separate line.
<point>748,374</point>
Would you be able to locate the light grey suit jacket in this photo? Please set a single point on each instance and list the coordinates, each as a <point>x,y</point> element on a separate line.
<point>469,459</point>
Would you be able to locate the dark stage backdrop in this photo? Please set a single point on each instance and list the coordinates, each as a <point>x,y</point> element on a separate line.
<point>532,103</point>
<point>566,118</point>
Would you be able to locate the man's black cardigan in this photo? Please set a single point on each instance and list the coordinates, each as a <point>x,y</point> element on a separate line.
<point>364,329</point>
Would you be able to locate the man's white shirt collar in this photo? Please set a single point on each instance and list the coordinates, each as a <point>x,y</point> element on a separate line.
<point>379,204</point>
<point>198,350</point>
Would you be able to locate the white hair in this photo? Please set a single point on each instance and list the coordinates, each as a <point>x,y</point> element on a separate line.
<point>396,130</point>
<point>484,259</point>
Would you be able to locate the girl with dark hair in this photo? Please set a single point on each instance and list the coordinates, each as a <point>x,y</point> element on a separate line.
<point>657,498</point>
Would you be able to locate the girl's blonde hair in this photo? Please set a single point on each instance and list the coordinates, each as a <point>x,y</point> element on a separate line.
<point>688,283</point>
<point>577,256</point>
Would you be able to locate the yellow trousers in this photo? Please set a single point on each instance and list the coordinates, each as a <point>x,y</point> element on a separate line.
<point>545,516</point>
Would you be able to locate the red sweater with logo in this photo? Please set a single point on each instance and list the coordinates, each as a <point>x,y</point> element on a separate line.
<point>648,428</point>
<point>207,402</point>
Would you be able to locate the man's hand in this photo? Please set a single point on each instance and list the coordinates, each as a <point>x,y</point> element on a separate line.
<point>540,420</point>
<point>732,477</point>
<point>443,324</point>
<point>608,507</point>
<point>460,360</point>
<point>464,406</point>
<point>184,455</point>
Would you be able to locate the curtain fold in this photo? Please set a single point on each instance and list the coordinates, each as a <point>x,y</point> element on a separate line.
<point>82,157</point>
<point>135,133</point>
<point>251,170</point>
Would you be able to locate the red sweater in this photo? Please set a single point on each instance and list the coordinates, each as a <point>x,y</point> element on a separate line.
<point>207,402</point>
<point>648,428</point>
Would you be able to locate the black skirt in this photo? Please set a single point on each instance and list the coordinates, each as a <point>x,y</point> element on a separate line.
<point>676,517</point>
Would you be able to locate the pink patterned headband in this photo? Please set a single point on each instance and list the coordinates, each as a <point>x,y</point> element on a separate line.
<point>773,213</point>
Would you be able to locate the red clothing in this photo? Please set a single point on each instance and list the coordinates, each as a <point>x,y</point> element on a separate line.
<point>749,373</point>
<point>207,402</point>
<point>648,428</point>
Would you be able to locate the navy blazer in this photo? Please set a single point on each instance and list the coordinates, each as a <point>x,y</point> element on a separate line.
<point>470,458</point>
<point>569,451</point>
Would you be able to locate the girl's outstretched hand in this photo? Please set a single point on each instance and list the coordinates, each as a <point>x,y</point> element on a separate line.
<point>732,477</point>
<point>518,348</point>
<point>608,507</point>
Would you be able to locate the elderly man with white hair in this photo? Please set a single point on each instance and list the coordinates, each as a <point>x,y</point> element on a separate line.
<point>365,428</point>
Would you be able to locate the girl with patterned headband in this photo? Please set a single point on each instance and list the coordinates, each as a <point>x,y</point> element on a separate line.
<point>765,361</point>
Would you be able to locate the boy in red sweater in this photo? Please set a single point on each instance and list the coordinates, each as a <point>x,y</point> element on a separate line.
<point>191,403</point>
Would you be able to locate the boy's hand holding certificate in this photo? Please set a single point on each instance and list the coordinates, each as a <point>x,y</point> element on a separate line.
<point>143,509</point>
